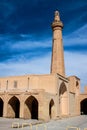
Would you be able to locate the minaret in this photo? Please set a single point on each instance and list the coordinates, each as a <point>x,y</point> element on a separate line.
<point>57,62</point>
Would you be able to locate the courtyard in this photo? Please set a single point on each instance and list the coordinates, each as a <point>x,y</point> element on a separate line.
<point>60,124</point>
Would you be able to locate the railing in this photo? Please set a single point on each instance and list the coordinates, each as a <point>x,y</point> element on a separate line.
<point>71,127</point>
<point>18,125</point>
<point>15,125</point>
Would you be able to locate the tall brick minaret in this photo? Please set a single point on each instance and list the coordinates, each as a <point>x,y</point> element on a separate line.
<point>57,62</point>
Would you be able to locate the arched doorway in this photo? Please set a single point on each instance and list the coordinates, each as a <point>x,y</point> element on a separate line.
<point>1,107</point>
<point>83,106</point>
<point>63,99</point>
<point>51,109</point>
<point>31,108</point>
<point>13,107</point>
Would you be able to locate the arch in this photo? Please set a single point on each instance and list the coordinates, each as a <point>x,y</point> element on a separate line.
<point>51,109</point>
<point>14,107</point>
<point>63,89</point>
<point>1,107</point>
<point>63,99</point>
<point>31,108</point>
<point>83,106</point>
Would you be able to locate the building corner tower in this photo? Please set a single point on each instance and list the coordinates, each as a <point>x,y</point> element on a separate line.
<point>57,61</point>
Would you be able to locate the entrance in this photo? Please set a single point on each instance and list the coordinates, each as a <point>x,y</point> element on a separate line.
<point>51,109</point>
<point>13,107</point>
<point>31,108</point>
<point>1,107</point>
<point>63,99</point>
<point>83,106</point>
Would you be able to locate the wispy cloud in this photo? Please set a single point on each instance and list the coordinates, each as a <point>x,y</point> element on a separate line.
<point>22,48</point>
<point>76,41</point>
<point>32,44</point>
<point>79,37</point>
<point>40,65</point>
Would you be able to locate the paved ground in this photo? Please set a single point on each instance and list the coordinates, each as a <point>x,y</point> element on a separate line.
<point>79,122</point>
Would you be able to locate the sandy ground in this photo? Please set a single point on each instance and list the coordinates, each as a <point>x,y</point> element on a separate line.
<point>72,123</point>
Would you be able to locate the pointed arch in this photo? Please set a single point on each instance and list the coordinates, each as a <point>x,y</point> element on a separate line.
<point>63,99</point>
<point>14,107</point>
<point>62,89</point>
<point>1,107</point>
<point>83,106</point>
<point>51,108</point>
<point>31,108</point>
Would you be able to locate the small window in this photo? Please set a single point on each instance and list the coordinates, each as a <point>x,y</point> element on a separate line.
<point>6,84</point>
<point>77,84</point>
<point>15,84</point>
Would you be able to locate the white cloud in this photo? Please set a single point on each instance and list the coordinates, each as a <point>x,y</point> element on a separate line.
<point>31,44</point>
<point>35,66</point>
<point>79,37</point>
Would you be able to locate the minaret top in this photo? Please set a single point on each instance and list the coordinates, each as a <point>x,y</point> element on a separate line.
<point>57,17</point>
<point>57,22</point>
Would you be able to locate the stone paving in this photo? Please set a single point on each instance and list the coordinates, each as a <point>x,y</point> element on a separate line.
<point>62,124</point>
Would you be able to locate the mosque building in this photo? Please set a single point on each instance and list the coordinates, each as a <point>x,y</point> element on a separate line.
<point>47,96</point>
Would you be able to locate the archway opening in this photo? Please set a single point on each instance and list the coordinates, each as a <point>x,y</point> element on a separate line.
<point>63,99</point>
<point>14,107</point>
<point>83,107</point>
<point>1,107</point>
<point>31,108</point>
<point>51,109</point>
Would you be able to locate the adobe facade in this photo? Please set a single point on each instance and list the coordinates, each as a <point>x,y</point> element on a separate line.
<point>44,97</point>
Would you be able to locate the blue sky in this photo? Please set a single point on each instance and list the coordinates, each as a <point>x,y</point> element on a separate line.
<point>26,36</point>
